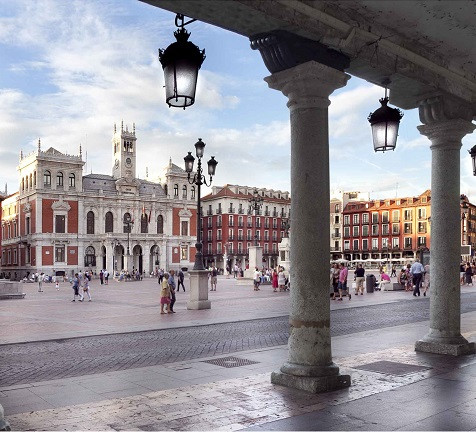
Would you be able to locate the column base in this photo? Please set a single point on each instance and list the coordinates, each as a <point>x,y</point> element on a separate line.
<point>199,304</point>
<point>198,297</point>
<point>320,384</point>
<point>4,425</point>
<point>436,347</point>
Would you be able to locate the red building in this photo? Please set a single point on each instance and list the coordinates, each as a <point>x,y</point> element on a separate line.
<point>229,227</point>
<point>387,229</point>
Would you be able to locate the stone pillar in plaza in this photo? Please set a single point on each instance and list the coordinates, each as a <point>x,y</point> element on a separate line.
<point>255,259</point>
<point>445,122</point>
<point>307,73</point>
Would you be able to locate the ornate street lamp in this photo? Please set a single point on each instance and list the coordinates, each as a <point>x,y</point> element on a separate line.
<point>199,179</point>
<point>384,122</point>
<point>255,206</point>
<point>181,61</point>
<point>472,152</point>
<point>128,223</point>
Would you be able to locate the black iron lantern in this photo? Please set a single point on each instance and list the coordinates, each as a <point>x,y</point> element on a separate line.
<point>384,122</point>
<point>212,166</point>
<point>472,152</point>
<point>181,61</point>
<point>189,160</point>
<point>199,148</point>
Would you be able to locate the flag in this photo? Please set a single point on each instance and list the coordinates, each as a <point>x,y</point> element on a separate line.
<point>150,213</point>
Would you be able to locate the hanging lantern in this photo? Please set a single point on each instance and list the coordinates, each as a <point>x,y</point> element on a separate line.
<point>472,152</point>
<point>181,61</point>
<point>384,122</point>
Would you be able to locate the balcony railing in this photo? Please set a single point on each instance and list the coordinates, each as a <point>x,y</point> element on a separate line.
<point>219,224</point>
<point>275,214</point>
<point>240,238</point>
<point>219,238</point>
<point>209,212</point>
<point>407,231</point>
<point>266,212</point>
<point>231,237</point>
<point>231,223</point>
<point>336,236</point>
<point>231,210</point>
<point>218,210</point>
<point>240,224</point>
<point>266,225</point>
<point>241,211</point>
<point>407,246</point>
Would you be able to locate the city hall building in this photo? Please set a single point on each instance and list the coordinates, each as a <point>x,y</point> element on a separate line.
<point>61,221</point>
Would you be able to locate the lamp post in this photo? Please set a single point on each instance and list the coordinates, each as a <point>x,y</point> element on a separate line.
<point>255,206</point>
<point>199,179</point>
<point>128,224</point>
<point>464,214</point>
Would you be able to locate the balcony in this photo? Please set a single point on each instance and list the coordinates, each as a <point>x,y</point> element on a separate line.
<point>231,223</point>
<point>249,225</point>
<point>219,224</point>
<point>219,238</point>
<point>266,225</point>
<point>335,249</point>
<point>336,236</point>
<point>266,213</point>
<point>283,214</point>
<point>231,210</point>
<point>240,224</point>
<point>240,238</point>
<point>249,238</point>
<point>218,210</point>
<point>258,225</point>
<point>231,237</point>
<point>241,211</point>
<point>266,239</point>
<point>375,248</point>
<point>209,212</point>
<point>396,247</point>
<point>275,214</point>
<point>209,225</point>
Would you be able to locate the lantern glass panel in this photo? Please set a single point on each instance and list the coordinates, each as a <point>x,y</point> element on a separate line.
<point>384,135</point>
<point>473,158</point>
<point>212,165</point>
<point>180,83</point>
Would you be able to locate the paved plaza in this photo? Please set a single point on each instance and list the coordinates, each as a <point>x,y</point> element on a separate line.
<point>188,371</point>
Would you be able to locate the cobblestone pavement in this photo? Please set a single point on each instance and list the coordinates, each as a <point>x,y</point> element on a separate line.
<point>43,361</point>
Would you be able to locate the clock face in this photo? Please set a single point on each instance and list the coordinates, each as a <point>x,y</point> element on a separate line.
<point>128,162</point>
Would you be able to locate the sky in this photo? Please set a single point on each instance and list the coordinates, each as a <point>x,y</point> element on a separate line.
<point>71,69</point>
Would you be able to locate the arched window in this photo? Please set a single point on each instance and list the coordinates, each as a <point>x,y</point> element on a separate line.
<point>59,179</point>
<point>160,224</point>
<point>184,191</point>
<point>192,192</point>
<point>90,223</point>
<point>47,178</point>
<point>337,208</point>
<point>127,223</point>
<point>34,178</point>
<point>144,224</point>
<point>90,257</point>
<point>166,190</point>
<point>26,182</point>
<point>23,184</point>
<point>31,181</point>
<point>109,225</point>
<point>176,190</point>
<point>72,181</point>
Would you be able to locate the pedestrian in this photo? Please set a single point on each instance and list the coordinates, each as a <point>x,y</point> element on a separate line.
<point>335,280</point>
<point>402,279</point>
<point>394,271</point>
<point>213,278</point>
<point>408,278</point>
<point>161,276</point>
<point>359,279</point>
<point>106,277</point>
<point>75,286</point>
<point>343,273</point>
<point>426,280</point>
<point>101,277</point>
<point>235,271</point>
<point>256,279</point>
<point>462,271</point>
<point>86,289</point>
<point>57,285</point>
<point>41,277</point>
<point>468,272</point>
<point>171,282</point>
<point>281,279</point>
<point>181,278</point>
<point>165,296</point>
<point>417,272</point>
<point>274,280</point>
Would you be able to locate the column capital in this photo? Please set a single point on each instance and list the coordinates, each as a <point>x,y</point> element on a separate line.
<point>308,85</point>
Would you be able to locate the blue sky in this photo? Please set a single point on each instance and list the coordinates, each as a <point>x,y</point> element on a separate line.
<point>71,69</point>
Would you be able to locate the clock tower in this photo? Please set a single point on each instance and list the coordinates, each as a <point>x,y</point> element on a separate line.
<point>124,152</point>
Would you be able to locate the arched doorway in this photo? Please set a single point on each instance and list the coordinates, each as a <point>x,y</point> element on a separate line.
<point>118,264</point>
<point>154,259</point>
<point>89,257</point>
<point>137,258</point>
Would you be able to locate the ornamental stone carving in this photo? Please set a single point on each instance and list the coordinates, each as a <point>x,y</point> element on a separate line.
<point>61,205</point>
<point>27,208</point>
<point>185,213</point>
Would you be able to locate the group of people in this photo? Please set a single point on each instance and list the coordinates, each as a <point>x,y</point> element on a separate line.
<point>467,273</point>
<point>414,277</point>
<point>339,274</point>
<point>80,285</point>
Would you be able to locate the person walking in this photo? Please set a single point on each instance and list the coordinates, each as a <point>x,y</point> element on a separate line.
<point>394,271</point>
<point>161,275</point>
<point>75,286</point>
<point>274,280</point>
<point>256,279</point>
<point>408,278</point>
<point>468,274</point>
<point>86,289</point>
<point>426,280</point>
<point>165,295</point>
<point>41,277</point>
<point>235,271</point>
<point>417,272</point>
<point>181,278</point>
<point>101,277</point>
<point>213,278</point>
<point>281,279</point>
<point>343,273</point>
<point>171,282</point>
<point>359,277</point>
<point>57,285</point>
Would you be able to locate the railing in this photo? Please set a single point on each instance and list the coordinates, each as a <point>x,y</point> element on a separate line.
<point>241,211</point>
<point>336,236</point>
<point>219,238</point>
<point>266,225</point>
<point>219,224</point>
<point>275,214</point>
<point>407,247</point>
<point>240,238</point>
<point>231,237</point>
<point>209,212</point>
<point>240,224</point>
<point>231,223</point>
<point>231,210</point>
<point>266,213</point>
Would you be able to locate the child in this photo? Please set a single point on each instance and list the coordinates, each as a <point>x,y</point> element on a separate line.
<point>86,288</point>
<point>57,286</point>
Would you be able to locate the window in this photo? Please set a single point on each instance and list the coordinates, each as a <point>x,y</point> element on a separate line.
<point>408,242</point>
<point>144,224</point>
<point>184,191</point>
<point>365,231</point>
<point>266,248</point>
<point>59,253</point>
<point>219,234</point>
<point>384,242</point>
<point>275,236</point>
<point>176,190</point>
<point>266,235</point>
<point>160,224</point>
<point>346,244</point>
<point>346,219</point>
<point>23,184</point>
<point>230,235</point>
<point>230,220</point>
<point>60,223</point>
<point>248,235</point>
<point>192,192</point>
<point>210,222</point>
<point>395,228</point>
<point>346,231</point>
<point>240,221</point>
<point>90,257</point>
<point>355,219</point>
<point>15,256</point>
<point>27,223</point>
<point>34,178</point>
<point>374,229</point>
<point>395,242</point>
<point>355,245</point>
<point>258,222</point>
<point>31,180</point>
<point>365,244</point>
<point>47,178</point>
<point>355,231</point>
<point>109,223</point>
<point>28,254</point>
<point>385,217</point>
<point>374,244</point>
<point>337,208</point>
<point>422,227</point>
<point>210,235</point>
<point>365,218</point>
<point>375,218</point>
<point>184,228</point>
<point>421,241</point>
<point>395,216</point>
<point>422,213</point>
<point>219,249</point>
<point>385,229</point>
<point>9,256</point>
<point>336,219</point>
<point>59,179</point>
<point>72,181</point>
<point>407,215</point>
<point>90,223</point>
<point>127,222</point>
<point>407,228</point>
<point>26,182</point>
<point>219,223</point>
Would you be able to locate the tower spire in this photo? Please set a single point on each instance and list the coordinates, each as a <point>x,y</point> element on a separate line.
<point>134,128</point>
<point>122,126</point>
<point>39,144</point>
<point>21,154</point>
<point>115,130</point>
<point>80,150</point>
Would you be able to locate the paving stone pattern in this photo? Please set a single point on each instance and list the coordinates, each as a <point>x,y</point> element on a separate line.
<point>44,361</point>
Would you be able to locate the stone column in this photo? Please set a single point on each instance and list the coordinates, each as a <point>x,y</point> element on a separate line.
<point>198,292</point>
<point>446,121</point>
<point>255,260</point>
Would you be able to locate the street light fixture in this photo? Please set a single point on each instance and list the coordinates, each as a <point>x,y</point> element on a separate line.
<point>472,152</point>
<point>128,223</point>
<point>181,61</point>
<point>255,206</point>
<point>199,179</point>
<point>384,122</point>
